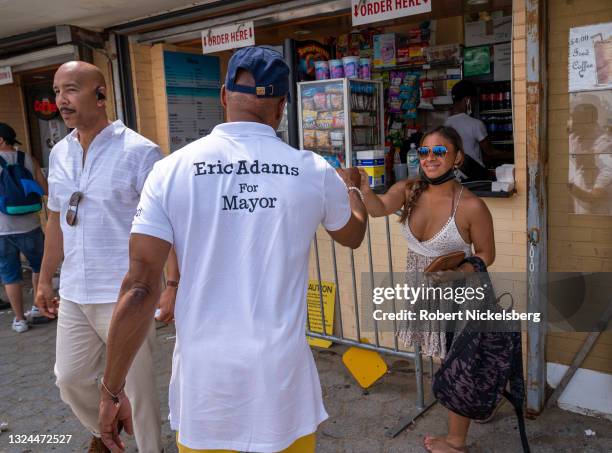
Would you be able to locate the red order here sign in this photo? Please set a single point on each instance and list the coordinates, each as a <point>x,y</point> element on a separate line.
<point>367,11</point>
<point>228,37</point>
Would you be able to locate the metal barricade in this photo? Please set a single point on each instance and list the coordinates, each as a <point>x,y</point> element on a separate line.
<point>340,337</point>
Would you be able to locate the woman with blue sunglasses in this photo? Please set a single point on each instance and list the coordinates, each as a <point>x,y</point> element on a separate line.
<point>438,216</point>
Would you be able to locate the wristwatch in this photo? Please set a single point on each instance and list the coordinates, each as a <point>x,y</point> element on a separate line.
<point>172,283</point>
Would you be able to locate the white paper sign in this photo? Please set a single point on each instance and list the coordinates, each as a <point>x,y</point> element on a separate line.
<point>502,57</point>
<point>228,37</point>
<point>6,75</point>
<point>590,57</point>
<point>368,11</point>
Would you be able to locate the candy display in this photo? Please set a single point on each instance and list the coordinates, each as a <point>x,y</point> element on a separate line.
<point>323,139</point>
<point>320,101</point>
<point>384,50</point>
<point>309,139</point>
<point>336,101</point>
<point>308,104</point>
<point>309,118</point>
<point>324,128</point>
<point>338,119</point>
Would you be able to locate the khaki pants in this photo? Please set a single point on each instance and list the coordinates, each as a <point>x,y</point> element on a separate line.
<point>82,331</point>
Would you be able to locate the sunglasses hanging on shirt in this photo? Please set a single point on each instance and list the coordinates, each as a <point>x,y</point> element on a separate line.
<point>73,208</point>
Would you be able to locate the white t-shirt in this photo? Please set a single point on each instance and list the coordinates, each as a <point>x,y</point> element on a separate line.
<point>241,208</point>
<point>472,132</point>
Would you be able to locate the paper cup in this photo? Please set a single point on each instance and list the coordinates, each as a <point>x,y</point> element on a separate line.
<point>336,69</point>
<point>365,68</point>
<point>351,67</point>
<point>321,70</point>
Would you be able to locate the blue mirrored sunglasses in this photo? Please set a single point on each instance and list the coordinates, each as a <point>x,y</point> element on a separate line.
<point>438,151</point>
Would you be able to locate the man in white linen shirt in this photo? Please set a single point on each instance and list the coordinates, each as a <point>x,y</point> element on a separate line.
<point>96,174</point>
<point>241,208</point>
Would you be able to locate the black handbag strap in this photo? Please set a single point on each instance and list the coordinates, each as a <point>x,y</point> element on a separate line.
<point>518,409</point>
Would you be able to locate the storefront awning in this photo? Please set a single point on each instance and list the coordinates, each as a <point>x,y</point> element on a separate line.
<point>267,15</point>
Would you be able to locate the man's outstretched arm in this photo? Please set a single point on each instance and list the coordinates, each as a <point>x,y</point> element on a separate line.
<point>138,297</point>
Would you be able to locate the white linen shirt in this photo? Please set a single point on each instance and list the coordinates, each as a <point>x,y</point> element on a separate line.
<point>96,248</point>
<point>242,208</point>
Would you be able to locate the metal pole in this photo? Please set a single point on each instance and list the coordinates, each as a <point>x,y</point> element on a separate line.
<point>292,116</point>
<point>125,79</point>
<point>390,257</point>
<point>536,201</point>
<point>372,280</point>
<point>418,374</point>
<point>367,346</point>
<point>337,300</point>
<point>321,307</point>
<point>355,302</point>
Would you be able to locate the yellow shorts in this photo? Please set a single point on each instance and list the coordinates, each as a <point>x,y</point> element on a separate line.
<point>304,444</point>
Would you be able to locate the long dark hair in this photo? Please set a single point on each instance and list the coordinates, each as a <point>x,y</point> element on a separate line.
<point>416,188</point>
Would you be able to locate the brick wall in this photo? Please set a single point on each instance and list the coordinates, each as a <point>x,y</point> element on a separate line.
<point>101,61</point>
<point>142,76</point>
<point>580,243</point>
<point>12,111</point>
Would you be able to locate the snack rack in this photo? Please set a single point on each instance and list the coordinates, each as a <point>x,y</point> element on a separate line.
<point>339,117</point>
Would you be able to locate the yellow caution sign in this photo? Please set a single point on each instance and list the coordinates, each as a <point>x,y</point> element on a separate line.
<point>328,289</point>
<point>366,366</point>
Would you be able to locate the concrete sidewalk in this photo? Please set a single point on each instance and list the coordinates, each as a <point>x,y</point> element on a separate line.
<point>30,404</point>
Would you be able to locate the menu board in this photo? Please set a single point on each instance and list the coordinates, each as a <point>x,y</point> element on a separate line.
<point>590,58</point>
<point>192,92</point>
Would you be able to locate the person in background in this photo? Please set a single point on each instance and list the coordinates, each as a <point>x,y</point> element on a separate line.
<point>96,175</point>
<point>473,132</point>
<point>19,233</point>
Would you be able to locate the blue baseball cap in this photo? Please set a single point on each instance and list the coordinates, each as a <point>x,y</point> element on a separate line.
<point>267,67</point>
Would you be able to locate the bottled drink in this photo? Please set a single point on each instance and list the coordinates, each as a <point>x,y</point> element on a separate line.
<point>412,160</point>
<point>483,99</point>
<point>489,99</point>
<point>492,99</point>
<point>507,98</point>
<point>499,98</point>
<point>493,126</point>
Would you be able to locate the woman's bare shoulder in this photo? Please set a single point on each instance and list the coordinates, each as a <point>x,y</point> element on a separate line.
<point>473,204</point>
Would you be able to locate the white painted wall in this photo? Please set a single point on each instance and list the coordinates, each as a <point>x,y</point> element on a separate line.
<point>589,392</point>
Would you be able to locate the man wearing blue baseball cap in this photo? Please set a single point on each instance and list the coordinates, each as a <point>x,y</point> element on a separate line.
<point>241,208</point>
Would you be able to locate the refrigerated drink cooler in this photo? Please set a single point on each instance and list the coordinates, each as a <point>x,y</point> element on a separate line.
<point>339,117</point>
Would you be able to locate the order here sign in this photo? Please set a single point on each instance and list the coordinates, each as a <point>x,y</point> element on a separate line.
<point>367,11</point>
<point>228,37</point>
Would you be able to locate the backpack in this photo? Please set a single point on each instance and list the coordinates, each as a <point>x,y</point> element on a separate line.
<point>20,194</point>
<point>482,367</point>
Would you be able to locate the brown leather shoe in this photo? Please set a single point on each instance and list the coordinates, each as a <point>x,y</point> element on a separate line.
<point>97,446</point>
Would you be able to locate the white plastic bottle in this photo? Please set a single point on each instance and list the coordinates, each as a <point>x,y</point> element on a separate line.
<point>412,160</point>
